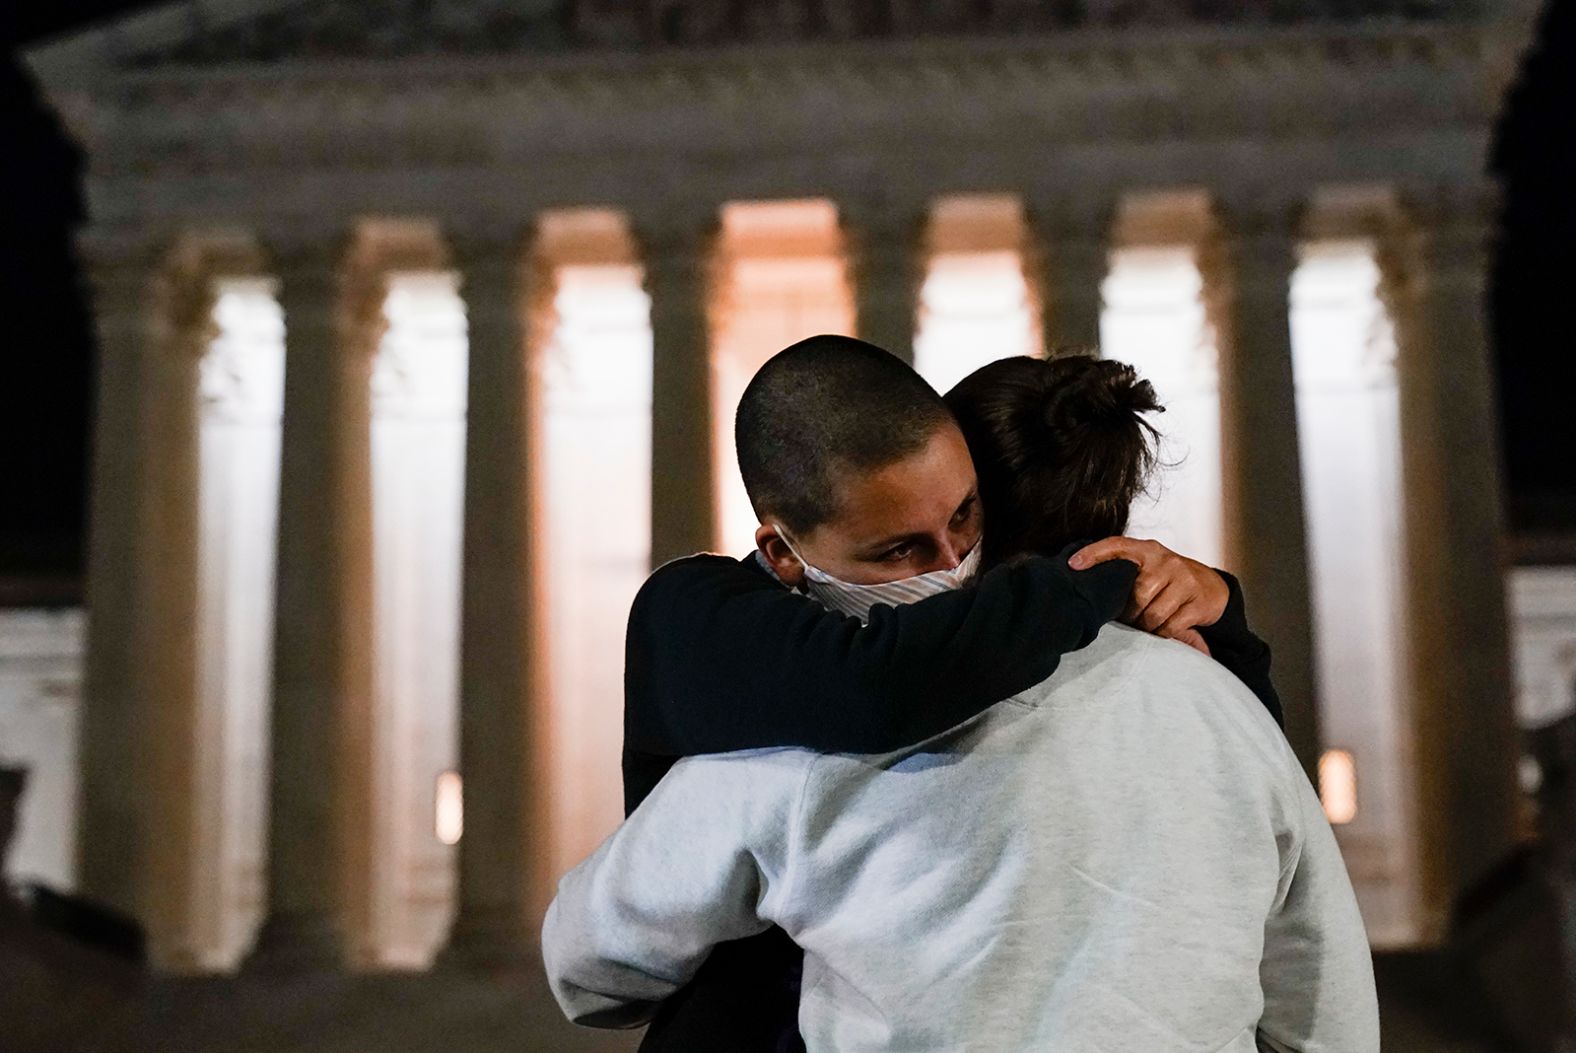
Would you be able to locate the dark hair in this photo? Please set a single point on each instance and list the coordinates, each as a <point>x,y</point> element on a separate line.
<point>1060,446</point>
<point>821,407</point>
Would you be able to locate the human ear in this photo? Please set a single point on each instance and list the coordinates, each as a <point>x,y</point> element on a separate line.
<point>777,554</point>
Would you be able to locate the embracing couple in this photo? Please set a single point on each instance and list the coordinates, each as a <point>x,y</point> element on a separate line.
<point>953,778</point>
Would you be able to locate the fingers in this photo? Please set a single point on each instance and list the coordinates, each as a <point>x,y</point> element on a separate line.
<point>1193,639</point>
<point>1186,619</point>
<point>1172,593</point>
<point>1172,597</point>
<point>1134,549</point>
<point>1160,570</point>
<point>1146,589</point>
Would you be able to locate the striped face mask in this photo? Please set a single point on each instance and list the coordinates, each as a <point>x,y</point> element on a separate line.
<point>856,600</point>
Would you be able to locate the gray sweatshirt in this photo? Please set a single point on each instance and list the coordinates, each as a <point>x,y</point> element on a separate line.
<point>1126,857</point>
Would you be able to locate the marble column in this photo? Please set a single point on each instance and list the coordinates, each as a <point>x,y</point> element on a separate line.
<point>885,246</point>
<point>1247,267</point>
<point>502,854</point>
<point>678,251</point>
<point>323,635</point>
<point>175,725</point>
<point>1435,263</point>
<point>1065,261</point>
<point>112,826</point>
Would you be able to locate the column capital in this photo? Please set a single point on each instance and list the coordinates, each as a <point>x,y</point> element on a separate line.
<point>121,270</point>
<point>676,236</point>
<point>1254,212</point>
<point>157,280</point>
<point>321,289</point>
<point>1071,219</point>
<point>883,244</point>
<point>478,243</point>
<point>883,216</point>
<point>678,258</point>
<point>883,240</point>
<point>498,268</point>
<point>109,251</point>
<point>881,232</point>
<point>1251,246</point>
<point>1451,206</point>
<point>298,251</point>
<point>1440,238</point>
<point>1065,258</point>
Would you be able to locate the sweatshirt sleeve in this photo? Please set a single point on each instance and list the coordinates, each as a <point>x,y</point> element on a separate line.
<point>702,861</point>
<point>720,657</point>
<point>1317,971</point>
<point>1235,646</point>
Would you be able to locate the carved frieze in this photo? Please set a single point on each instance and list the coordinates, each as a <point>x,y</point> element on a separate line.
<point>836,103</point>
<point>382,29</point>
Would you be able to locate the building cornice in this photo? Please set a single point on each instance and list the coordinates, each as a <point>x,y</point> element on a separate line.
<point>1080,87</point>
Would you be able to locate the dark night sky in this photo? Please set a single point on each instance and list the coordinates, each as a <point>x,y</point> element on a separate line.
<point>45,393</point>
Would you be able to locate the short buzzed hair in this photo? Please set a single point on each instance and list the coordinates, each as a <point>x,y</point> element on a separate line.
<point>819,408</point>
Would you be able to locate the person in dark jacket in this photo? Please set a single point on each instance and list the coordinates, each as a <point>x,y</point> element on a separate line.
<point>863,480</point>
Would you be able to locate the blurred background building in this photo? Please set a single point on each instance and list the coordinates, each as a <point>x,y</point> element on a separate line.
<point>419,328</point>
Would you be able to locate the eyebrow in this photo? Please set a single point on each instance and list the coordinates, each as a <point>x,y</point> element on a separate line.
<point>899,539</point>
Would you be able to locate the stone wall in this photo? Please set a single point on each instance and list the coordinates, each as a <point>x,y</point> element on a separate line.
<point>40,688</point>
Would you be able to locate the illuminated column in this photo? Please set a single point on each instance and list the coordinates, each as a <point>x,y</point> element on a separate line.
<point>501,851</point>
<point>323,660</point>
<point>886,265</point>
<point>1247,271</point>
<point>176,720</point>
<point>139,733</point>
<point>1436,262</point>
<point>111,829</point>
<point>1066,262</point>
<point>677,253</point>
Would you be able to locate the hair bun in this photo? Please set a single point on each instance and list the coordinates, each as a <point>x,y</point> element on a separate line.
<point>1087,394</point>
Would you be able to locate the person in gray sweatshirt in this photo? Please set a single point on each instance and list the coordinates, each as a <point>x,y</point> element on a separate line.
<point>1126,856</point>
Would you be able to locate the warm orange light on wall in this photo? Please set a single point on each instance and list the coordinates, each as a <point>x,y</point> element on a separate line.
<point>450,811</point>
<point>1338,786</point>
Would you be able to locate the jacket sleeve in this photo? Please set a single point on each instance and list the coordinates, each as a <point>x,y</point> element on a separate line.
<point>702,861</point>
<point>720,657</point>
<point>1235,646</point>
<point>1317,971</point>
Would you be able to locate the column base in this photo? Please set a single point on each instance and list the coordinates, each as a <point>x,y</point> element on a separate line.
<point>494,941</point>
<point>302,943</point>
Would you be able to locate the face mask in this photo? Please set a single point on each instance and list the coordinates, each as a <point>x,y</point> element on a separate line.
<point>856,600</point>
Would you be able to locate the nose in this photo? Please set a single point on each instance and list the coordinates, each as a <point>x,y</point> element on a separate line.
<point>954,549</point>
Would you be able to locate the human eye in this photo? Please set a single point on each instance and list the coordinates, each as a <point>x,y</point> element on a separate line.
<point>897,553</point>
<point>965,511</point>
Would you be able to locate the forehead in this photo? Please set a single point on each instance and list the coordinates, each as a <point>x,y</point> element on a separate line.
<point>917,494</point>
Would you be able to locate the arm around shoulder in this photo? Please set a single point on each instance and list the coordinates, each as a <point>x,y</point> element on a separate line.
<point>720,657</point>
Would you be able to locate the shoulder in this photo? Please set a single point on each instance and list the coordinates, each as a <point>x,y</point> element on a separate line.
<point>702,573</point>
<point>747,780</point>
<point>701,566</point>
<point>1171,685</point>
<point>765,762</point>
